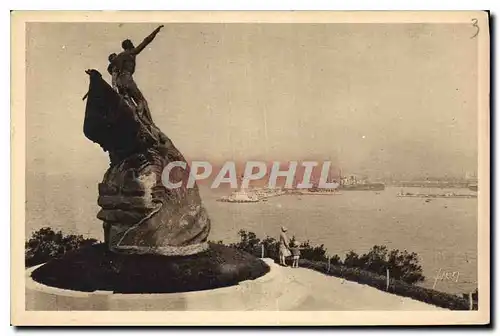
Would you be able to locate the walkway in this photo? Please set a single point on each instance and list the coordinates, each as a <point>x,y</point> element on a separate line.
<point>321,292</point>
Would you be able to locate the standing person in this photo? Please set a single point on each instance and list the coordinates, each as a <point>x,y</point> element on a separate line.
<point>296,254</point>
<point>284,248</point>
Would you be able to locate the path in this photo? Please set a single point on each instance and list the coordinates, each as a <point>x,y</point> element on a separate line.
<point>316,291</point>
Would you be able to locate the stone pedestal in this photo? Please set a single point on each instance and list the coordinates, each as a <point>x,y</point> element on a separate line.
<point>272,291</point>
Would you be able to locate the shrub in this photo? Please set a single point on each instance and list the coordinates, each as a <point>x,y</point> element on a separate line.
<point>45,244</point>
<point>335,260</point>
<point>248,243</point>
<point>314,253</point>
<point>402,265</point>
<point>271,248</point>
<point>405,266</point>
<point>352,260</point>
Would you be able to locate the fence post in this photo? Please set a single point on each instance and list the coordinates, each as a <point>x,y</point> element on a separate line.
<point>471,302</point>
<point>328,265</point>
<point>388,279</point>
<point>262,251</point>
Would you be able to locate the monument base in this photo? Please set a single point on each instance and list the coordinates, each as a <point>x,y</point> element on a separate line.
<point>95,268</point>
<point>271,292</point>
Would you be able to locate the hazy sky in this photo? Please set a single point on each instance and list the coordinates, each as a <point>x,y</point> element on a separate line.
<point>378,99</point>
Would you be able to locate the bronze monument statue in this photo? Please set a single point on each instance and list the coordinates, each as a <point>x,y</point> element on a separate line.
<point>155,238</point>
<point>140,214</point>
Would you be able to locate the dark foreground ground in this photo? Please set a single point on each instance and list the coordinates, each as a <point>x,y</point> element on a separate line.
<point>95,268</point>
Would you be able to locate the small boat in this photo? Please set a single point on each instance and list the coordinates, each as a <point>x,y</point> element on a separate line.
<point>473,187</point>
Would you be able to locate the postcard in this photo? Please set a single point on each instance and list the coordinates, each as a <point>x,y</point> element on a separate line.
<point>250,168</point>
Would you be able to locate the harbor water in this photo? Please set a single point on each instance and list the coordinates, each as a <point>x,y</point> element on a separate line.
<point>442,232</point>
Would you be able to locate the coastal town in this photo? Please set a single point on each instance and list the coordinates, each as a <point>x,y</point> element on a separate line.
<point>354,183</point>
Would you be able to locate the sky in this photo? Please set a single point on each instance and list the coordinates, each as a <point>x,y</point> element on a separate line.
<point>382,100</point>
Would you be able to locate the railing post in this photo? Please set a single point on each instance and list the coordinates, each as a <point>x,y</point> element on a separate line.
<point>471,302</point>
<point>328,271</point>
<point>388,279</point>
<point>262,250</point>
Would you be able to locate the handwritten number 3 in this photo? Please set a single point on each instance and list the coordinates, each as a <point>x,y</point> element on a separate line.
<point>474,24</point>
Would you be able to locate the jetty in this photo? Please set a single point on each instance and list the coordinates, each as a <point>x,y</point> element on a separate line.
<point>446,195</point>
<point>251,196</point>
<point>259,195</point>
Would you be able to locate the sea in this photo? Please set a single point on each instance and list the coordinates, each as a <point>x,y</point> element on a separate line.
<point>443,232</point>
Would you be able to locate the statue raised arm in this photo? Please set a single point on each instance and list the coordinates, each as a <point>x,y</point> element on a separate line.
<point>122,67</point>
<point>146,41</point>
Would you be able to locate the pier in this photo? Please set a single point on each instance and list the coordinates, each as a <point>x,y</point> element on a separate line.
<point>447,195</point>
<point>259,195</point>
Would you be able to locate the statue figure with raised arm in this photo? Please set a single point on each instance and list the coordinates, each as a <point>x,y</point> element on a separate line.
<point>139,214</point>
<point>122,68</point>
